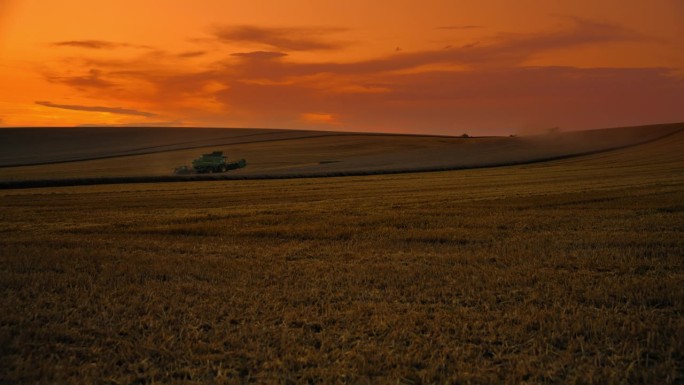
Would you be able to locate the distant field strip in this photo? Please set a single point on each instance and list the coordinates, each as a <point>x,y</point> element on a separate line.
<point>96,147</point>
<point>335,154</point>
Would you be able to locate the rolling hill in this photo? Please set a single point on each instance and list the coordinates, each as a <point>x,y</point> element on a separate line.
<point>105,155</point>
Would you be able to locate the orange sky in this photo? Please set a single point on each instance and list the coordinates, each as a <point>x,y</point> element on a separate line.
<point>438,66</point>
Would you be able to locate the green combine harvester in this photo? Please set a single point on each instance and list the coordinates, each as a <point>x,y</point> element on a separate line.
<point>208,163</point>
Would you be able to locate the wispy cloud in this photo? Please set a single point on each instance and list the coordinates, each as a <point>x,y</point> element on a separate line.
<point>90,44</point>
<point>286,39</point>
<point>111,110</point>
<point>171,123</point>
<point>191,54</point>
<point>476,86</point>
<point>507,50</point>
<point>96,44</point>
<point>260,55</point>
<point>92,80</point>
<point>460,27</point>
<point>319,117</point>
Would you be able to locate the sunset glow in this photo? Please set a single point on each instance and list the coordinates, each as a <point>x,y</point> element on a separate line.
<point>442,67</point>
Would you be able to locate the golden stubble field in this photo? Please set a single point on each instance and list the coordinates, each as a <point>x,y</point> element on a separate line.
<point>569,271</point>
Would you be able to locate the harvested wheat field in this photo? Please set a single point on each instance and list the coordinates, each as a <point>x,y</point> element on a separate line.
<point>564,271</point>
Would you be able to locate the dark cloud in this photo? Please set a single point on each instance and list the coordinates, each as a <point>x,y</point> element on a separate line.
<point>112,110</point>
<point>172,123</point>
<point>579,32</point>
<point>90,44</point>
<point>260,55</point>
<point>190,54</point>
<point>506,51</point>
<point>459,27</point>
<point>410,91</point>
<point>97,44</point>
<point>286,39</point>
<point>92,80</point>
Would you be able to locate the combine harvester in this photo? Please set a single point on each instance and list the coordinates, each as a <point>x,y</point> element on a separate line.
<point>209,163</point>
